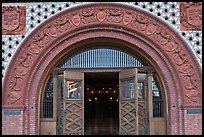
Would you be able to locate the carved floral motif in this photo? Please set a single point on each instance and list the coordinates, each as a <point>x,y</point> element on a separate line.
<point>137,21</point>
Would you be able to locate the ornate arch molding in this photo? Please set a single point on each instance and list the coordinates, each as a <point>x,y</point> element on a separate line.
<point>183,64</point>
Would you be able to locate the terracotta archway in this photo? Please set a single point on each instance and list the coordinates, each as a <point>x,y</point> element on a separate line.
<point>57,36</point>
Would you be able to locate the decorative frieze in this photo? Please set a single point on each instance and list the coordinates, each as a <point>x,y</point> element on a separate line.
<point>113,15</point>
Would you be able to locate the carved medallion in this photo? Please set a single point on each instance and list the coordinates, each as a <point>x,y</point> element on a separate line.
<point>151,29</point>
<point>76,20</point>
<point>185,68</point>
<point>52,31</point>
<point>194,15</point>
<point>171,46</point>
<point>127,18</point>
<point>13,20</point>
<point>20,71</point>
<point>191,16</point>
<point>101,16</point>
<point>10,19</point>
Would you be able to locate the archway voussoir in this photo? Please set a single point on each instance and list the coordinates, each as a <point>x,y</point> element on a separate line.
<point>47,43</point>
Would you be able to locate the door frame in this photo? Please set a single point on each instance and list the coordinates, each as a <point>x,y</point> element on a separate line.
<point>140,70</point>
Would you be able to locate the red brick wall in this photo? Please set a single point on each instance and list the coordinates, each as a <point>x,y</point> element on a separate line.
<point>12,124</point>
<point>192,124</point>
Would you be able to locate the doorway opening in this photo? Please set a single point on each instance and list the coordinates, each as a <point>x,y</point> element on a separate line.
<point>101,103</point>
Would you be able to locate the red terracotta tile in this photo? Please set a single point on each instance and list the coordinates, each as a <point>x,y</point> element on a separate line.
<point>13,20</point>
<point>190,16</point>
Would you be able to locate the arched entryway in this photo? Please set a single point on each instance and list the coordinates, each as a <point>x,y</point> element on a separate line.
<point>103,88</point>
<point>69,30</point>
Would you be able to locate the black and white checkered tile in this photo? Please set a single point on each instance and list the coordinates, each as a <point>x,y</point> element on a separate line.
<point>36,13</point>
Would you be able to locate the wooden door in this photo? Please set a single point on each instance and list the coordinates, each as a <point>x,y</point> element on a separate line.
<point>73,120</point>
<point>142,104</point>
<point>128,119</point>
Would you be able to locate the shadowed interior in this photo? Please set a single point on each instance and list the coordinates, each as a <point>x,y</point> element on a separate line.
<point>101,103</point>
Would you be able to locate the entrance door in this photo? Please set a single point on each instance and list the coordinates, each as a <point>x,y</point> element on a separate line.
<point>128,107</point>
<point>133,103</point>
<point>73,119</point>
<point>142,104</point>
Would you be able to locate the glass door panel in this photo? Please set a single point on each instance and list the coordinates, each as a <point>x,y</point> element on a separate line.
<point>128,102</point>
<point>73,120</point>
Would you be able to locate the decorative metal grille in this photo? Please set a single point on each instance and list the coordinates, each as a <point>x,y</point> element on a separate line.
<point>157,98</point>
<point>48,100</point>
<point>102,58</point>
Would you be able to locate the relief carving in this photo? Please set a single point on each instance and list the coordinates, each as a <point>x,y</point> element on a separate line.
<point>63,24</point>
<point>164,37</point>
<point>114,15</point>
<point>127,18</point>
<point>88,16</point>
<point>193,96</point>
<point>13,20</point>
<point>101,15</point>
<point>149,27</point>
<point>39,36</point>
<point>52,31</point>
<point>138,25</point>
<point>14,96</point>
<point>44,41</point>
<point>26,59</point>
<point>76,20</point>
<point>185,68</point>
<point>17,86</point>
<point>190,84</point>
<point>142,19</point>
<point>177,58</point>
<point>171,46</point>
<point>20,71</point>
<point>191,16</point>
<point>33,49</point>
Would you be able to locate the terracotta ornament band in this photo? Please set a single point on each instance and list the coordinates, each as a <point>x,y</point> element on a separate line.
<point>113,15</point>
